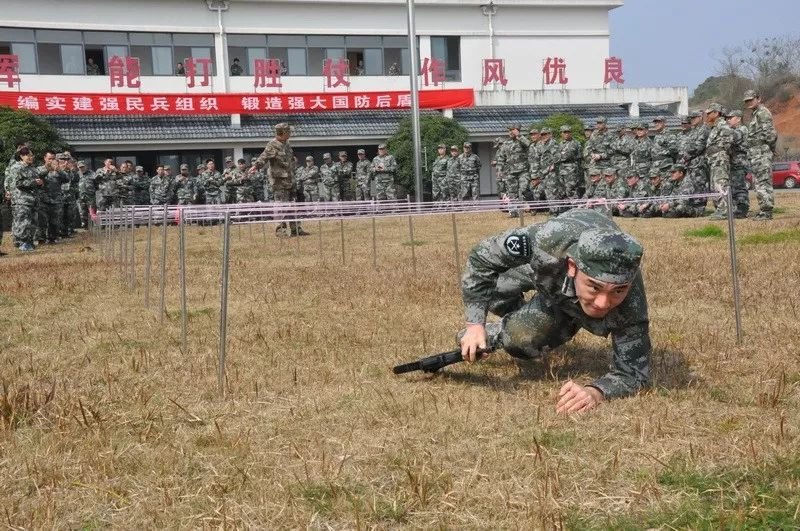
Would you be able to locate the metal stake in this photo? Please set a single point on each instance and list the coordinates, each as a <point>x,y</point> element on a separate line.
<point>148,260</point>
<point>374,246</point>
<point>162,308</point>
<point>133,250</point>
<point>455,245</point>
<point>182,259</point>
<point>319,230</point>
<point>223,309</point>
<point>413,251</point>
<point>412,48</point>
<point>341,230</point>
<point>734,269</point>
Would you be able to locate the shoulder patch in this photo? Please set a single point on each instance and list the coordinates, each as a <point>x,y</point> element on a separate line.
<point>518,245</point>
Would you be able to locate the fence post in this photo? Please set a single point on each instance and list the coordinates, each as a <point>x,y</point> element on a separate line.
<point>182,259</point>
<point>223,310</point>
<point>162,309</point>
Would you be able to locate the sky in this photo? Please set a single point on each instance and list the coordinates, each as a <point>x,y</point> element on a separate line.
<point>659,46</point>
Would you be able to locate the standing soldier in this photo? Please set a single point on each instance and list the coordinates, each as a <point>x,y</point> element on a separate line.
<point>665,144</point>
<point>516,169</point>
<point>499,164</point>
<point>141,187</point>
<point>106,186</point>
<point>126,178</point>
<point>241,180</point>
<point>718,148</point>
<point>739,163</point>
<point>762,139</point>
<point>439,188</point>
<point>54,197</point>
<point>601,145</point>
<point>42,222</point>
<point>160,188</point>
<point>258,181</point>
<point>278,155</point>
<point>642,154</point>
<point>693,154</point>
<point>362,176</point>
<point>454,174</point>
<point>534,159</point>
<point>184,187</point>
<point>213,184</point>
<point>329,189</point>
<point>383,170</point>
<point>470,166</point>
<point>547,162</point>
<point>343,170</point>
<point>87,201</point>
<point>228,196</point>
<point>621,149</point>
<point>27,182</point>
<point>309,176</point>
<point>568,165</point>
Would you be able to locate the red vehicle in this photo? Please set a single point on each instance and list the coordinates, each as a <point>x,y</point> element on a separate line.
<point>784,175</point>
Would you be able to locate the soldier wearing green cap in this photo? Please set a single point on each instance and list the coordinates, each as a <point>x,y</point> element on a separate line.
<point>470,165</point>
<point>718,148</point>
<point>739,164</point>
<point>681,207</point>
<point>363,164</point>
<point>515,168</point>
<point>599,146</point>
<point>762,139</point>
<point>642,154</point>
<point>440,189</point>
<point>383,171</point>
<point>621,148</point>
<point>585,274</point>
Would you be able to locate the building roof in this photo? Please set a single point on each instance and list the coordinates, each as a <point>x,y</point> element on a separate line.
<point>479,121</point>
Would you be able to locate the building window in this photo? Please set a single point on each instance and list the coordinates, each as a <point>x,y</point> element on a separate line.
<point>72,61</point>
<point>27,56</point>
<point>291,51</point>
<point>49,58</point>
<point>448,50</point>
<point>322,47</point>
<point>395,56</point>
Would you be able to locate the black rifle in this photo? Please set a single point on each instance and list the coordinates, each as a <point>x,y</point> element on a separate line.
<point>435,362</point>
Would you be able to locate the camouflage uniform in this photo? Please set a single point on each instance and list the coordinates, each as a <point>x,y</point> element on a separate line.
<point>185,190</point>
<point>548,150</point>
<point>106,186</point>
<point>383,170</point>
<point>343,170</point>
<point>439,188</point>
<point>243,186</point>
<point>568,167</point>
<point>691,153</point>
<point>42,222</point>
<point>621,149</point>
<point>501,269</point>
<point>363,192</point>
<point>125,188</point>
<point>141,188</point>
<point>762,139</point>
<point>71,192</point>
<point>499,166</point>
<point>24,198</point>
<point>309,176</point>
<point>718,148</point>
<point>160,190</point>
<point>739,168</point>
<point>515,170</point>
<point>328,185</point>
<point>640,189</point>
<point>258,181</point>
<point>279,156</point>
<point>652,207</point>
<point>600,144</point>
<point>213,184</point>
<point>470,166</point>
<point>665,147</point>
<point>642,154</point>
<point>683,208</point>
<point>614,188</point>
<point>86,195</point>
<point>454,174</point>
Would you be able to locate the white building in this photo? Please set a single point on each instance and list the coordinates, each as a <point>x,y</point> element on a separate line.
<point>54,39</point>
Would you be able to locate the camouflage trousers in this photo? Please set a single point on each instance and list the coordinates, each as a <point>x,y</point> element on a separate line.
<point>311,192</point>
<point>571,182</point>
<point>55,221</point>
<point>268,192</point>
<point>720,180</point>
<point>502,188</point>
<point>761,167</point>
<point>469,187</point>
<point>347,190</point>
<point>328,192</point>
<point>384,187</point>
<point>517,185</point>
<point>71,217</point>
<point>439,189</point>
<point>741,198</point>
<point>553,190</point>
<point>84,210</point>
<point>362,190</point>
<point>214,199</point>
<point>454,183</point>
<point>25,221</point>
<point>284,194</point>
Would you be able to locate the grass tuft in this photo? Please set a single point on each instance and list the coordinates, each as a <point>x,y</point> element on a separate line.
<point>767,238</point>
<point>709,231</point>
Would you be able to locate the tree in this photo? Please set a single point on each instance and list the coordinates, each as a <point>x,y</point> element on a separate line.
<point>555,121</point>
<point>434,130</point>
<point>22,126</point>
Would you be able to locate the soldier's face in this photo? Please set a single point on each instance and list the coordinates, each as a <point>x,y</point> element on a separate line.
<point>454,152</point>
<point>27,159</point>
<point>361,156</point>
<point>610,178</point>
<point>596,298</point>
<point>658,126</point>
<point>185,172</point>
<point>752,103</point>
<point>566,135</point>
<point>734,121</point>
<point>49,157</point>
<point>632,181</point>
<point>440,151</point>
<point>677,175</point>
<point>640,133</point>
<point>595,178</point>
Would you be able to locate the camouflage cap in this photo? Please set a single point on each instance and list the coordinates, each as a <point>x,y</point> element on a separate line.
<point>343,153</point>
<point>609,171</point>
<point>565,129</point>
<point>514,126</point>
<point>659,119</point>
<point>361,152</point>
<point>608,255</point>
<point>588,127</point>
<point>382,146</point>
<point>468,144</point>
<point>167,167</point>
<point>454,148</point>
<point>81,164</point>
<point>600,120</point>
<point>631,174</point>
<point>733,114</point>
<point>684,119</point>
<point>310,158</point>
<point>665,166</point>
<point>533,131</point>
<point>61,156</point>
<point>714,107</point>
<point>441,146</point>
<point>749,95</point>
<point>139,168</point>
<point>228,159</point>
<point>546,131</point>
<point>631,125</point>
<point>184,166</point>
<point>654,172</point>
<point>282,127</point>
<point>326,155</point>
<point>678,167</point>
<point>641,125</point>
<point>695,114</point>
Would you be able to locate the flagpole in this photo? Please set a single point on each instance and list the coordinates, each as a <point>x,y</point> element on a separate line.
<point>412,49</point>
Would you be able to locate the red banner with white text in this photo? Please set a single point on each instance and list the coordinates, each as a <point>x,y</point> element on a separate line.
<point>177,104</point>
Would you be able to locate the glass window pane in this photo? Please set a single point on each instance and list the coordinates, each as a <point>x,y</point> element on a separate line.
<point>105,37</point>
<point>334,53</point>
<point>72,61</point>
<point>198,52</point>
<point>325,41</point>
<point>395,42</point>
<point>297,62</point>
<point>438,49</point>
<point>162,60</point>
<point>27,57</point>
<point>252,55</point>
<point>247,41</point>
<point>363,41</point>
<point>453,53</point>
<point>192,39</point>
<point>59,36</point>
<point>118,51</point>
<point>405,61</point>
<point>315,58</point>
<point>373,61</point>
<point>145,56</point>
<point>150,39</point>
<point>49,56</point>
<point>236,52</point>
<point>286,41</point>
<point>16,35</point>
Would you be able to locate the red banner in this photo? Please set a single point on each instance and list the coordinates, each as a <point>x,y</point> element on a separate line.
<point>176,104</point>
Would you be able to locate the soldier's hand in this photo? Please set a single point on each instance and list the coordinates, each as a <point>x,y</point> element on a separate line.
<point>39,182</point>
<point>252,170</point>
<point>8,195</point>
<point>665,207</point>
<point>574,398</point>
<point>474,338</point>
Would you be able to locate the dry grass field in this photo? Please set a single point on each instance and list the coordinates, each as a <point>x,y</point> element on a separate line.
<point>105,422</point>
